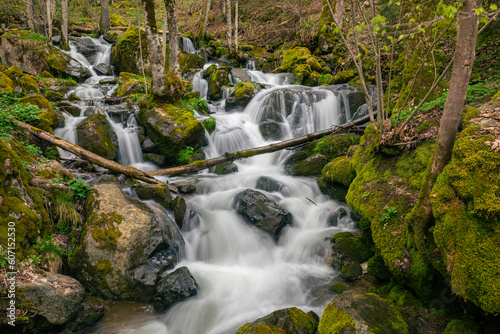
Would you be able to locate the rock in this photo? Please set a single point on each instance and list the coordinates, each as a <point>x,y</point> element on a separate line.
<point>29,84</point>
<point>351,272</point>
<point>6,84</point>
<point>189,62</point>
<point>268,184</point>
<point>91,310</point>
<point>96,135</point>
<point>347,248</point>
<point>242,95</point>
<point>240,75</point>
<point>125,245</point>
<point>186,188</point>
<point>339,171</point>
<point>103,69</point>
<point>126,55</point>
<point>112,36</point>
<point>179,208</point>
<point>458,326</point>
<point>86,47</point>
<point>353,312</point>
<point>313,165</point>
<point>148,146</point>
<point>25,50</point>
<point>262,212</point>
<point>157,159</point>
<point>47,118</point>
<point>217,80</point>
<point>55,297</point>
<point>173,129</point>
<point>54,96</point>
<point>158,193</point>
<point>226,168</point>
<point>56,40</point>
<point>271,130</point>
<point>173,288</point>
<point>119,112</point>
<point>290,321</point>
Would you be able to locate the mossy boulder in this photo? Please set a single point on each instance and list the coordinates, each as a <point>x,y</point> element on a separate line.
<point>14,73</point>
<point>47,118</point>
<point>96,135</point>
<point>29,51</point>
<point>189,61</point>
<point>467,215</point>
<point>130,83</point>
<point>241,95</point>
<point>172,129</point>
<point>159,193</point>
<point>226,168</point>
<point>218,79</point>
<point>112,36</point>
<point>458,326</point>
<point>117,21</point>
<point>354,312</point>
<point>344,77</point>
<point>54,96</point>
<point>262,212</point>
<point>351,271</point>
<point>348,248</point>
<point>6,84</point>
<point>290,320</point>
<point>339,171</point>
<point>125,246</point>
<point>179,208</point>
<point>29,84</point>
<point>126,54</point>
<point>299,56</point>
<point>311,166</point>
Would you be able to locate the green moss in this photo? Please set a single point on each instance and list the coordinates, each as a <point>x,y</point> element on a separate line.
<point>6,84</point>
<point>402,297</point>
<point>14,73</point>
<point>339,171</point>
<point>468,113</point>
<point>290,320</point>
<point>344,77</point>
<point>291,58</point>
<point>48,118</point>
<point>462,327</point>
<point>95,134</point>
<point>117,21</point>
<point>376,267</point>
<point>105,230</point>
<point>338,287</point>
<point>218,79</point>
<point>54,96</point>
<point>336,321</point>
<point>334,146</point>
<point>125,54</point>
<point>29,84</point>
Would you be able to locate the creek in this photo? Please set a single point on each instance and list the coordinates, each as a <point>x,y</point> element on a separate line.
<point>242,273</point>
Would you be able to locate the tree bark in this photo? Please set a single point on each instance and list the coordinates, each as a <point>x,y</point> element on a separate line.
<point>205,22</point>
<point>155,55</point>
<point>50,18</point>
<point>89,156</point>
<point>236,5</point>
<point>229,27</point>
<point>229,157</point>
<point>105,19</point>
<point>164,37</point>
<point>173,56</point>
<point>64,25</point>
<point>29,14</point>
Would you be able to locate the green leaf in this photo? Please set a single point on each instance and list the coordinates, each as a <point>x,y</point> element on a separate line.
<point>400,37</point>
<point>422,30</point>
<point>493,7</point>
<point>483,20</point>
<point>358,56</point>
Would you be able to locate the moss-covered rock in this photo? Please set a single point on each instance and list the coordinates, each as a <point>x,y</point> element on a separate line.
<point>298,56</point>
<point>339,171</point>
<point>30,52</point>
<point>124,247</point>
<point>112,36</point>
<point>130,83</point>
<point>377,268</point>
<point>241,95</point>
<point>126,55</point>
<point>311,166</point>
<point>290,320</point>
<point>351,271</point>
<point>462,327</point>
<point>117,21</point>
<point>47,118</point>
<point>172,129</point>
<point>344,77</point>
<point>54,96</point>
<point>189,61</point>
<point>353,312</point>
<point>158,193</point>
<point>218,79</point>
<point>96,135</point>
<point>29,84</point>
<point>6,84</point>
<point>347,248</point>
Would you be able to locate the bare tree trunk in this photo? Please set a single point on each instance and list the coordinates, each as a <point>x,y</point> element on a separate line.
<point>155,56</point>
<point>173,56</point>
<point>229,157</point>
<point>339,11</point>
<point>140,47</point>
<point>236,5</point>
<point>207,12</point>
<point>50,18</point>
<point>64,25</point>
<point>229,27</point>
<point>164,37</point>
<point>105,19</point>
<point>29,14</point>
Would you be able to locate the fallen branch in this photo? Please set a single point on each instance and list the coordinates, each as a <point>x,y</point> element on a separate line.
<point>230,157</point>
<point>91,157</point>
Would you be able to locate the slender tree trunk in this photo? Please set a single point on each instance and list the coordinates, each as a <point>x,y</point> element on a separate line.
<point>105,19</point>
<point>236,5</point>
<point>229,27</point>
<point>155,56</point>
<point>64,25</point>
<point>49,9</point>
<point>140,47</point>
<point>29,14</point>
<point>207,12</point>
<point>164,37</point>
<point>173,56</point>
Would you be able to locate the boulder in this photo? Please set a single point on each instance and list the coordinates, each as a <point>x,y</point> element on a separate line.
<point>130,84</point>
<point>217,80</point>
<point>242,95</point>
<point>158,193</point>
<point>268,184</point>
<point>346,248</point>
<point>91,310</point>
<point>290,321</point>
<point>55,297</point>
<point>47,119</point>
<point>29,84</point>
<point>28,51</point>
<point>189,62</point>
<point>86,47</point>
<point>126,54</point>
<point>173,288</point>
<point>6,84</point>
<point>179,208</point>
<point>339,171</point>
<point>311,166</point>
<point>354,312</point>
<point>351,272</point>
<point>125,245</point>
<point>112,36</point>
<point>172,129</point>
<point>226,168</point>
<point>240,75</point>
<point>262,212</point>
<point>103,69</point>
<point>96,135</point>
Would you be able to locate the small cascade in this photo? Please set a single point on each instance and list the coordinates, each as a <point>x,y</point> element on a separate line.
<point>250,65</point>
<point>200,85</point>
<point>187,45</point>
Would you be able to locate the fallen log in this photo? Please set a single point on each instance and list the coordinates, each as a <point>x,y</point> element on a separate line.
<point>230,157</point>
<point>91,157</point>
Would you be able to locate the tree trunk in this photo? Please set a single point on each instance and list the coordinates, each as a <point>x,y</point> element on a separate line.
<point>49,9</point>
<point>229,157</point>
<point>229,27</point>
<point>236,5</point>
<point>164,38</point>
<point>155,55</point>
<point>29,14</point>
<point>173,32</point>
<point>205,22</point>
<point>64,25</point>
<point>140,47</point>
<point>89,156</point>
<point>105,19</point>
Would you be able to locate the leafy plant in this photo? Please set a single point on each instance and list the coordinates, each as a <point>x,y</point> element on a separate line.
<point>196,104</point>
<point>79,188</point>
<point>33,149</point>
<point>210,124</point>
<point>389,211</point>
<point>27,113</point>
<point>185,155</point>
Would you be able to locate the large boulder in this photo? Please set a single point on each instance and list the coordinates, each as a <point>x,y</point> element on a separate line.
<point>242,95</point>
<point>218,79</point>
<point>103,69</point>
<point>189,61</point>
<point>125,245</point>
<point>54,297</point>
<point>86,47</point>
<point>173,288</point>
<point>29,51</point>
<point>158,193</point>
<point>126,53</point>
<point>353,312</point>
<point>96,135</point>
<point>290,321</point>
<point>262,212</point>
<point>172,129</point>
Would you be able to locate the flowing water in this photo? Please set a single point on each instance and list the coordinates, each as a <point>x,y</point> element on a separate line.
<point>242,273</point>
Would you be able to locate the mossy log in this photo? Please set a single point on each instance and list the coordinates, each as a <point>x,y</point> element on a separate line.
<point>230,157</point>
<point>91,157</point>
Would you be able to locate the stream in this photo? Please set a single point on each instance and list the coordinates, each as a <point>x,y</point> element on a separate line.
<point>242,273</point>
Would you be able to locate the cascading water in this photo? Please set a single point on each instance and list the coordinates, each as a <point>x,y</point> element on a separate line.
<point>187,45</point>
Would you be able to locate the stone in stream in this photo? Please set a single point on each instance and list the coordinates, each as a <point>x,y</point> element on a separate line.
<point>96,135</point>
<point>173,288</point>
<point>290,320</point>
<point>262,212</point>
<point>103,69</point>
<point>268,184</point>
<point>86,47</point>
<point>242,95</point>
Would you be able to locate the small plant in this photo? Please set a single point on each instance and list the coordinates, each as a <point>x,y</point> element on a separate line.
<point>33,149</point>
<point>389,211</point>
<point>196,104</point>
<point>210,124</point>
<point>3,258</point>
<point>32,260</point>
<point>79,188</point>
<point>365,195</point>
<point>62,228</point>
<point>185,155</point>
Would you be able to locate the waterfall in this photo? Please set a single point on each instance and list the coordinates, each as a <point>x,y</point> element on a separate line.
<point>187,45</point>
<point>200,85</point>
<point>250,65</point>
